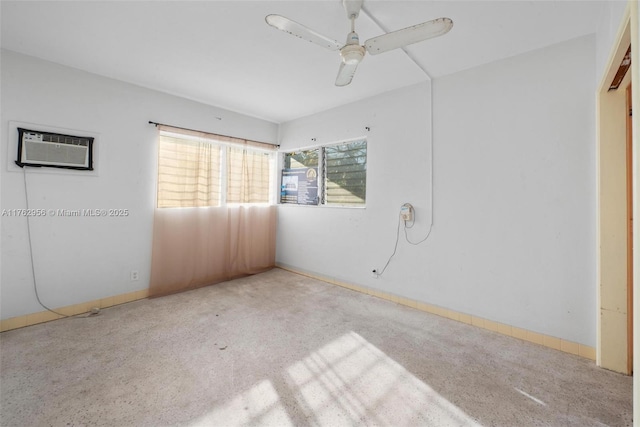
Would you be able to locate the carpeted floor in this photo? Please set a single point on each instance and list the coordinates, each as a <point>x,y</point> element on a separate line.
<point>285,350</point>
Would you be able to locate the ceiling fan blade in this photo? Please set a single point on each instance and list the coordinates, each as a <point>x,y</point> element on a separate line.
<point>299,30</point>
<point>409,35</point>
<point>345,73</point>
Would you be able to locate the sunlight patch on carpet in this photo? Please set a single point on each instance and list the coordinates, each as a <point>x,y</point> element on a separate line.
<point>350,379</point>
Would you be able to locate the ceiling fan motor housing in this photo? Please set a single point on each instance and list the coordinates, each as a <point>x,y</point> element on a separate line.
<point>352,54</point>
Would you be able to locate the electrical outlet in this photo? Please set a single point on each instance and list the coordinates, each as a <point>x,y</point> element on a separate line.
<point>134,276</point>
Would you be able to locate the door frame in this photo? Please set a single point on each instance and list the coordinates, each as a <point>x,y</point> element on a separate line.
<point>616,303</point>
<point>630,266</point>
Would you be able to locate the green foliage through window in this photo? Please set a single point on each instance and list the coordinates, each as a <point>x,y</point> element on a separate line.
<point>301,159</point>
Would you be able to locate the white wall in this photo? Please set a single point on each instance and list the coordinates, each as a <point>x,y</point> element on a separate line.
<point>514,193</point>
<point>348,243</point>
<point>82,259</point>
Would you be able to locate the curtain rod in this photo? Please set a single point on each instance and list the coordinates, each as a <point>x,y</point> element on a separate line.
<point>201,131</point>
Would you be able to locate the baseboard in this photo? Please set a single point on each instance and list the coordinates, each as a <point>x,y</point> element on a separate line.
<point>501,328</point>
<point>70,310</point>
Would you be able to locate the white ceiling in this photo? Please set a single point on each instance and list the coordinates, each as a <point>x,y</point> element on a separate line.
<point>223,53</point>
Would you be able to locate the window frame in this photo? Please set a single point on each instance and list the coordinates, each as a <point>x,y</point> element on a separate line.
<point>322,204</point>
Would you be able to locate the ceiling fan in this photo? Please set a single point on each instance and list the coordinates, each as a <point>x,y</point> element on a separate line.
<point>352,53</point>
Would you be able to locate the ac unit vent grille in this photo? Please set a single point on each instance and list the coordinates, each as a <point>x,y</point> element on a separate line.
<point>54,150</point>
<point>58,153</point>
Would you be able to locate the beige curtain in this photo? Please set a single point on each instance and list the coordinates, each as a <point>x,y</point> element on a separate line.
<point>188,173</point>
<point>247,176</point>
<point>198,239</point>
<point>195,247</point>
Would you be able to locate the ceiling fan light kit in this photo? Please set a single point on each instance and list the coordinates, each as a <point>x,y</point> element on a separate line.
<point>352,52</point>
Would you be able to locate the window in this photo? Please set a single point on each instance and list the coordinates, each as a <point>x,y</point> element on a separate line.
<point>341,169</point>
<point>301,159</point>
<point>345,173</point>
<point>197,169</point>
<point>300,178</point>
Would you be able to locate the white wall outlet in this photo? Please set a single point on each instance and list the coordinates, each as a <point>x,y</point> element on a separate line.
<point>134,275</point>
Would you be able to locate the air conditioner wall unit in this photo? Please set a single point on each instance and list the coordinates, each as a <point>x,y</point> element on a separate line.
<point>47,149</point>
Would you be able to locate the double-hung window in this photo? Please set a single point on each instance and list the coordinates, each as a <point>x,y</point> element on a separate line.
<point>198,169</point>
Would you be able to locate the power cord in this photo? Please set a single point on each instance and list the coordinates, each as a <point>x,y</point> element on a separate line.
<point>413,222</point>
<point>33,269</point>
<point>94,311</point>
<point>406,236</point>
<point>395,249</point>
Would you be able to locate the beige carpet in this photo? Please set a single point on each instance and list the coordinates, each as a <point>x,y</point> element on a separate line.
<point>284,350</point>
